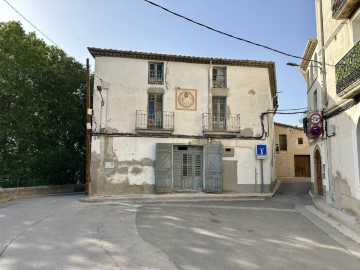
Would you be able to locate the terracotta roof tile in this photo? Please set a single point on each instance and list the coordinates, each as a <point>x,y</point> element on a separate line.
<point>177,58</point>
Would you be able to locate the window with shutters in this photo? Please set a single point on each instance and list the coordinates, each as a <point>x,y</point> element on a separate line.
<point>156,73</point>
<point>219,77</point>
<point>283,142</point>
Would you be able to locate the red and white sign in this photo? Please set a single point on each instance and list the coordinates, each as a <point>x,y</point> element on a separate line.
<point>315,131</point>
<point>315,118</point>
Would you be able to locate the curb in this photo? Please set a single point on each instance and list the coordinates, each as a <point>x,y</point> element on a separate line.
<point>341,217</point>
<point>174,197</point>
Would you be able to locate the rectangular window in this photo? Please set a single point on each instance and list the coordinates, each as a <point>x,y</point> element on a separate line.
<point>283,142</point>
<point>219,77</point>
<point>300,141</point>
<point>155,111</point>
<point>315,100</point>
<point>219,113</point>
<point>156,73</point>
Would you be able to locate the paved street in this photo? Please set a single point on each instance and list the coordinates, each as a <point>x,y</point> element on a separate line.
<point>59,232</point>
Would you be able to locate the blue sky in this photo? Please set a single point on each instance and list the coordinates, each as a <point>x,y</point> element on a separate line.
<point>285,25</point>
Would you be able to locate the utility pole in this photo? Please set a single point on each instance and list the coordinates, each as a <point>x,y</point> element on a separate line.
<point>88,128</point>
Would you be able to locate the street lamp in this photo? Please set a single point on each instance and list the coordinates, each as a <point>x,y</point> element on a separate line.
<point>297,65</point>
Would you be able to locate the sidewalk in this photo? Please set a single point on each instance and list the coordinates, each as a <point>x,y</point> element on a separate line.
<point>340,217</point>
<point>173,197</point>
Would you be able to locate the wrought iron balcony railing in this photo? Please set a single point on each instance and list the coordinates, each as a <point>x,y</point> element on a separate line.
<point>347,70</point>
<point>221,122</point>
<point>219,81</point>
<point>343,9</point>
<point>157,120</point>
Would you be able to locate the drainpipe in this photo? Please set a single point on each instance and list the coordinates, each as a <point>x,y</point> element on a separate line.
<point>209,89</point>
<point>209,97</point>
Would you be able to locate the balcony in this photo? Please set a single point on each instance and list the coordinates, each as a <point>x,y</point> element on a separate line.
<point>347,72</point>
<point>154,122</point>
<point>221,125</point>
<point>343,9</point>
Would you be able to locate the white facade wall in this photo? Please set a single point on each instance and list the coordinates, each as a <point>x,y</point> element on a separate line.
<point>339,151</point>
<point>125,89</point>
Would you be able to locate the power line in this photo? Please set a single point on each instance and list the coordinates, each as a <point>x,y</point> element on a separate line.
<point>284,110</point>
<point>229,35</point>
<point>32,25</point>
<point>302,112</point>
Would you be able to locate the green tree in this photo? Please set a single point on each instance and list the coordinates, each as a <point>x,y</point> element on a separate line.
<point>42,110</point>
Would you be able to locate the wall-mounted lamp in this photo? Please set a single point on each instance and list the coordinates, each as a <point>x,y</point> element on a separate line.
<point>297,65</point>
<point>99,88</point>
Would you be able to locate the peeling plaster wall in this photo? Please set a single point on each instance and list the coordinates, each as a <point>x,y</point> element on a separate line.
<point>134,170</point>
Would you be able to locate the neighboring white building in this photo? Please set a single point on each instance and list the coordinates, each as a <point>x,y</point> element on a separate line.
<point>333,78</point>
<point>164,123</point>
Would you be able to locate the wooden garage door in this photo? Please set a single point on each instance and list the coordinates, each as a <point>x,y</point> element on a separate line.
<point>302,165</point>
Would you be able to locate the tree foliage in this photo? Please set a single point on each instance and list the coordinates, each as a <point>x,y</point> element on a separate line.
<point>42,109</point>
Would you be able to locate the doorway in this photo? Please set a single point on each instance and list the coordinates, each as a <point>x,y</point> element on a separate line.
<point>318,173</point>
<point>302,165</point>
<point>188,167</point>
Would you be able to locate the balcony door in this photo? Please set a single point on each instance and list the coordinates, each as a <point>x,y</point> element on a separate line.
<point>155,111</point>
<point>219,113</point>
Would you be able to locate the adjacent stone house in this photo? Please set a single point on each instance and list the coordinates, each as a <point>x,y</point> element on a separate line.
<point>292,152</point>
<point>165,123</point>
<point>331,69</point>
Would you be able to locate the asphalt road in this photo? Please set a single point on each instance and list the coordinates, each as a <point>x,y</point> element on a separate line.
<point>59,232</point>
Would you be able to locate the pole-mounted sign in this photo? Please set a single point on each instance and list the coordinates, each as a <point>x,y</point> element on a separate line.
<point>315,118</point>
<point>315,131</point>
<point>261,151</point>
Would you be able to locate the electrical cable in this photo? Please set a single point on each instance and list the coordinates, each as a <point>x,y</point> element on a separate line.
<point>32,24</point>
<point>230,35</point>
<point>283,110</point>
<point>301,112</point>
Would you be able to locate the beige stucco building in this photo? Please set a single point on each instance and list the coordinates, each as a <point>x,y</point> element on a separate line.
<point>292,152</point>
<point>333,79</point>
<point>164,123</point>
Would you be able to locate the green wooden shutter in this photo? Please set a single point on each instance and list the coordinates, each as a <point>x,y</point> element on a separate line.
<point>213,168</point>
<point>163,169</point>
<point>177,165</point>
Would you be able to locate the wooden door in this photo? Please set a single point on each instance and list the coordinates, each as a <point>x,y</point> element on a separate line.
<point>213,168</point>
<point>318,173</point>
<point>302,165</point>
<point>163,168</point>
<point>188,167</point>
